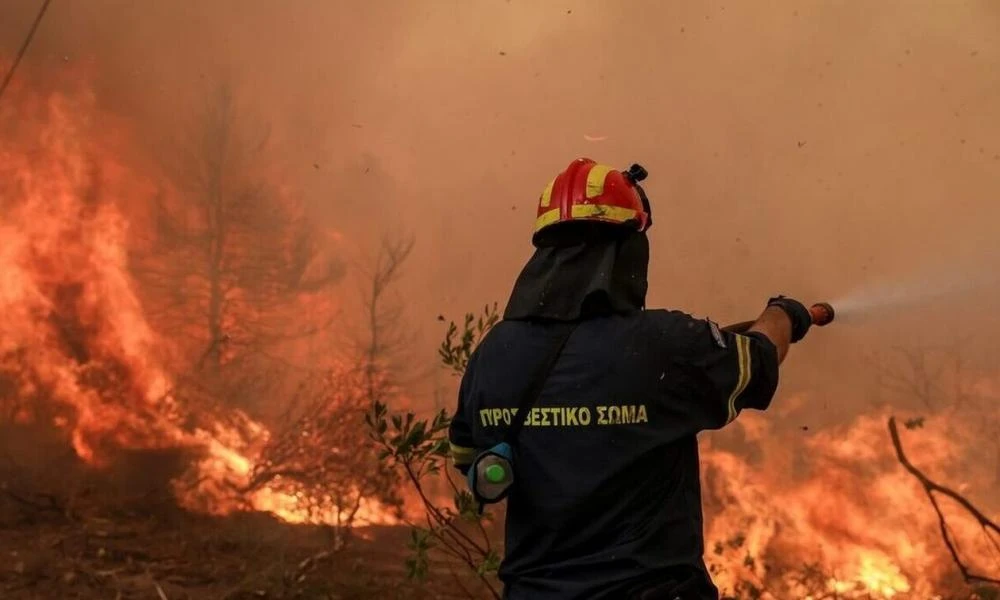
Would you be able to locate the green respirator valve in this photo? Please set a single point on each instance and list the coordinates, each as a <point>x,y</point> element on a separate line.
<point>495,473</point>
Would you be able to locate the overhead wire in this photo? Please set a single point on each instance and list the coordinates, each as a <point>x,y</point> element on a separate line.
<point>24,47</point>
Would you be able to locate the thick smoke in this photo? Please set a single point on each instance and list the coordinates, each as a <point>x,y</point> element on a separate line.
<point>813,149</point>
<point>825,150</point>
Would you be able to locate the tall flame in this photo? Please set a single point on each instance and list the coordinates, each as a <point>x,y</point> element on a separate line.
<point>74,339</point>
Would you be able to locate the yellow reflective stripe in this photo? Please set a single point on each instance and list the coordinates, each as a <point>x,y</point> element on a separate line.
<point>460,454</point>
<point>595,180</point>
<point>547,218</point>
<point>588,211</point>
<point>546,198</point>
<point>743,357</point>
<point>603,211</point>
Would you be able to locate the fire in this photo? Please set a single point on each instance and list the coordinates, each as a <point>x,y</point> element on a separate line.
<point>835,514</point>
<point>76,348</point>
<point>876,574</point>
<point>809,517</point>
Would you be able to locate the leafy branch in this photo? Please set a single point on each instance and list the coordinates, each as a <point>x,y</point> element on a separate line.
<point>419,448</point>
<point>457,347</point>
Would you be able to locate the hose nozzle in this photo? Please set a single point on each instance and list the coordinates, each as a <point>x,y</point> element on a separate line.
<point>821,313</point>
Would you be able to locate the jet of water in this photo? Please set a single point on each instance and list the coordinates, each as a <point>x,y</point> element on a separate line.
<point>943,282</point>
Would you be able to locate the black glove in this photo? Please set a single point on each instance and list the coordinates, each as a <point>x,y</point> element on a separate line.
<point>797,312</point>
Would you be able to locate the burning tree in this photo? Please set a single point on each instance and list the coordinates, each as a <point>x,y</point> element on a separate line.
<point>322,446</point>
<point>78,351</point>
<point>383,342</point>
<point>234,266</point>
<point>322,454</point>
<point>236,271</point>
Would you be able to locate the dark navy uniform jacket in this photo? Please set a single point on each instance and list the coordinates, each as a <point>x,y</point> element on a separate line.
<point>607,496</point>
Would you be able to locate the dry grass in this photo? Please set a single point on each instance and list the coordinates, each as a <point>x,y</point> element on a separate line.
<point>178,556</point>
<point>69,532</point>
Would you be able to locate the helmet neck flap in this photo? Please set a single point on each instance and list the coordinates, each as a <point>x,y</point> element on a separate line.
<point>582,270</point>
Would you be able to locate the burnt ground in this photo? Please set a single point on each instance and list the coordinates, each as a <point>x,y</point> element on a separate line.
<point>71,532</point>
<point>175,555</point>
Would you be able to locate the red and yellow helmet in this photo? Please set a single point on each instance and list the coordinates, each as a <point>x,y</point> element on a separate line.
<point>587,191</point>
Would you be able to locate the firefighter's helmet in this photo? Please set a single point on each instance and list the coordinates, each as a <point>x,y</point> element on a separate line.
<point>587,191</point>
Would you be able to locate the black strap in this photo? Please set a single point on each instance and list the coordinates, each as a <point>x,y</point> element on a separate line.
<point>534,390</point>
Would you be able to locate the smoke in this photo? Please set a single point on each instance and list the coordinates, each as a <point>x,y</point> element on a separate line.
<point>830,151</point>
<point>815,149</point>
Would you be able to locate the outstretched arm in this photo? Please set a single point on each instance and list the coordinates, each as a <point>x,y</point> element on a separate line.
<point>724,372</point>
<point>778,323</point>
<point>775,324</point>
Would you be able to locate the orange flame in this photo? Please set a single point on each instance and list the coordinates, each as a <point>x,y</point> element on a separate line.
<point>840,504</point>
<point>79,350</point>
<point>74,339</point>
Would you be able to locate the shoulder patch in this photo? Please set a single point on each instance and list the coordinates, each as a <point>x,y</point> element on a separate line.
<point>713,327</point>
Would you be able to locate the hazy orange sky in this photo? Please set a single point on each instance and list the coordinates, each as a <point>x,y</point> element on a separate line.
<point>805,147</point>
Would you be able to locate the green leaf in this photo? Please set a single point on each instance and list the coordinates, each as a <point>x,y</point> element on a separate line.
<point>413,437</point>
<point>441,448</point>
<point>416,568</point>
<point>490,564</point>
<point>457,347</point>
<point>466,506</point>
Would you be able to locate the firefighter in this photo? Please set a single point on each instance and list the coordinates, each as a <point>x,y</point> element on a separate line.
<point>602,478</point>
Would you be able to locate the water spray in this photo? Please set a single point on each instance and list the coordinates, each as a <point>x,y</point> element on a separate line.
<point>940,280</point>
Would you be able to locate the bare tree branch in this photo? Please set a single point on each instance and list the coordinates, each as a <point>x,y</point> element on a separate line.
<point>233,255</point>
<point>990,528</point>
